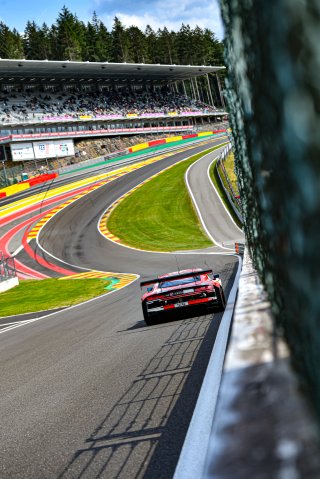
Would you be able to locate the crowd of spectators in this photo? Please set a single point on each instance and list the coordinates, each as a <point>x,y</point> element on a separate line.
<point>36,105</point>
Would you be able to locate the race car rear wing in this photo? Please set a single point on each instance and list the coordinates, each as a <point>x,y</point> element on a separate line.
<point>177,276</point>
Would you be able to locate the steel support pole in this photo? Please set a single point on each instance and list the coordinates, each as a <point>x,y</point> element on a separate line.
<point>209,89</point>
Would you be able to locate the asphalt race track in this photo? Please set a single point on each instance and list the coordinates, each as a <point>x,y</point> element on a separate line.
<point>90,391</point>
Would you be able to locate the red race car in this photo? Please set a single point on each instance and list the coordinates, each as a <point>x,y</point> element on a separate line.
<point>187,291</point>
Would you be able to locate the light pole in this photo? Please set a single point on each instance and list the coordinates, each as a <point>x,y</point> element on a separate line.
<point>5,173</point>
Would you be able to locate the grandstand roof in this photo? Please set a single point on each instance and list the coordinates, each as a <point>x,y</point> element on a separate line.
<point>12,70</point>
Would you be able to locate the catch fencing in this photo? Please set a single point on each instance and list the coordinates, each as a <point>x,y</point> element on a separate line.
<point>272,51</point>
<point>7,267</point>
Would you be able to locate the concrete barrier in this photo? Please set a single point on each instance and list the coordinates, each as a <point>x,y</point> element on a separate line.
<point>8,284</point>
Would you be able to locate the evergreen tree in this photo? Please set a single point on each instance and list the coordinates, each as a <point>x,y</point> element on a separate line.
<point>70,36</point>
<point>213,48</point>
<point>167,46</point>
<point>184,45</point>
<point>120,43</point>
<point>70,39</point>
<point>89,52</point>
<point>35,42</point>
<point>104,44</point>
<point>137,45</point>
<point>11,45</point>
<point>197,47</point>
<point>151,45</point>
<point>54,52</point>
<point>44,40</point>
<point>97,41</point>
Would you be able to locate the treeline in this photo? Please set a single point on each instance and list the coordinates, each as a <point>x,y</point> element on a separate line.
<point>71,39</point>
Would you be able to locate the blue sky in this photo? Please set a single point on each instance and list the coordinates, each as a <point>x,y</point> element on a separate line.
<point>157,13</point>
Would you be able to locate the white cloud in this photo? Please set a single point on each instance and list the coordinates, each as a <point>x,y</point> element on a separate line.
<point>159,14</point>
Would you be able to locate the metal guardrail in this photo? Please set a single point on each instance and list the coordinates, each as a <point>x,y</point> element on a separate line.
<point>7,267</point>
<point>116,154</point>
<point>232,199</point>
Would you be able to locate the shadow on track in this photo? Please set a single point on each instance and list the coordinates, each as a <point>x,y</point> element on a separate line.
<point>142,434</point>
<point>147,424</point>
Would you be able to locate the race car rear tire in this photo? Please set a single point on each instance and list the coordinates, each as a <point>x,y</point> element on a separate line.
<point>221,306</point>
<point>146,316</point>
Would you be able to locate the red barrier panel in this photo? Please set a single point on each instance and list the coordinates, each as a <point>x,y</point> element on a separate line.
<point>157,142</point>
<point>192,135</point>
<point>3,195</point>
<point>40,179</point>
<point>35,181</point>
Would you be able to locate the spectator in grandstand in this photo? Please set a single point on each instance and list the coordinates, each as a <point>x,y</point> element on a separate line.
<point>35,105</point>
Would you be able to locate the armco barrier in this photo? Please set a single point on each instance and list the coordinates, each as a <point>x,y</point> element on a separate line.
<point>172,139</point>
<point>40,179</point>
<point>24,185</point>
<point>140,146</point>
<point>12,189</point>
<point>192,135</point>
<point>231,200</point>
<point>157,142</point>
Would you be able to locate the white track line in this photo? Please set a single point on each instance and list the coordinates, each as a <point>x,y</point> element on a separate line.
<point>215,189</point>
<point>193,455</point>
<point>196,205</point>
<point>197,208</point>
<point>194,452</point>
<point>119,244</point>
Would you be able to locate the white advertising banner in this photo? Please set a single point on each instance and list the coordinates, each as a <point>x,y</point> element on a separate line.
<point>22,151</point>
<point>44,149</point>
<point>64,148</point>
<point>53,148</point>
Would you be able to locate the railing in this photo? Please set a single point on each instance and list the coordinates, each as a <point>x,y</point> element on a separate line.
<point>7,267</point>
<point>233,200</point>
<point>91,117</point>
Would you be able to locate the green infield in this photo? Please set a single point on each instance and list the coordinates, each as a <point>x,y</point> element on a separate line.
<point>160,216</point>
<point>38,295</point>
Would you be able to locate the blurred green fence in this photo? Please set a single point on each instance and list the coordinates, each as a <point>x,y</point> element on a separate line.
<point>273,92</point>
<point>9,176</point>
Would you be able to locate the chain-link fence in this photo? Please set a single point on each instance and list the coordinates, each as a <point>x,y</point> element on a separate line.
<point>273,51</point>
<point>10,176</point>
<point>7,268</point>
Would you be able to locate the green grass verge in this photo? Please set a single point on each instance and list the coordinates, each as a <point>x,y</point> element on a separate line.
<point>160,216</point>
<point>229,168</point>
<point>35,295</point>
<point>216,181</point>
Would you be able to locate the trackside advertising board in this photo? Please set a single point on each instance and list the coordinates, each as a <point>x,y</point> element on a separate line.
<point>22,151</point>
<point>64,148</point>
<point>42,149</point>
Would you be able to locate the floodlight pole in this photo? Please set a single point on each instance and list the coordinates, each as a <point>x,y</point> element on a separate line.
<point>5,173</point>
<point>184,88</point>
<point>194,92</point>
<point>209,88</point>
<point>197,89</point>
<point>221,95</point>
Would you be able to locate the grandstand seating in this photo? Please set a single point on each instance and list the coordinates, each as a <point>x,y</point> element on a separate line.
<point>32,106</point>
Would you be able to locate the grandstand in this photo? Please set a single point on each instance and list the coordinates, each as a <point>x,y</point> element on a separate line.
<point>47,102</point>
